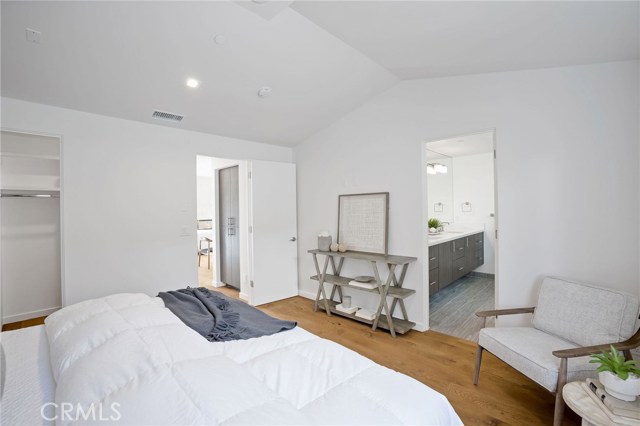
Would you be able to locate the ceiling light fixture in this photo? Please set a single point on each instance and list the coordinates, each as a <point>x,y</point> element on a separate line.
<point>192,82</point>
<point>220,39</point>
<point>264,92</point>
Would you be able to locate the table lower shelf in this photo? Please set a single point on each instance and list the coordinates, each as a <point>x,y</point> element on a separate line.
<point>393,291</point>
<point>400,325</point>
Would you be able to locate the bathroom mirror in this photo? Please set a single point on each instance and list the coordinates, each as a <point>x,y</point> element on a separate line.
<point>440,186</point>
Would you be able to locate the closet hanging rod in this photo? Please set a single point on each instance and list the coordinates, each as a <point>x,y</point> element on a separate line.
<point>29,196</point>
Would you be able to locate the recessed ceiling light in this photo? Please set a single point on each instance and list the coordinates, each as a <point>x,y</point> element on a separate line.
<point>264,92</point>
<point>192,82</point>
<point>220,39</point>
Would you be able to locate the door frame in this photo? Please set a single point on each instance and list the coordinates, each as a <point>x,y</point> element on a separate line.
<point>243,221</point>
<point>425,214</point>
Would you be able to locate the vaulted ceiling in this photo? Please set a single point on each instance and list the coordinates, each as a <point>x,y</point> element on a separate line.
<point>321,59</point>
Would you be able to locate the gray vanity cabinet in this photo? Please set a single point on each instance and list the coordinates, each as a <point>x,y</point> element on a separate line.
<point>434,263</point>
<point>445,262</point>
<point>454,259</point>
<point>475,251</point>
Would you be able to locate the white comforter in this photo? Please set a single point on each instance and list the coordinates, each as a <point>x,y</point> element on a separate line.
<point>134,362</point>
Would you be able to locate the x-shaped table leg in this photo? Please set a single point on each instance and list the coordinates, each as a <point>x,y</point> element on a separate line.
<point>383,288</point>
<point>321,284</point>
<point>336,271</point>
<point>398,283</point>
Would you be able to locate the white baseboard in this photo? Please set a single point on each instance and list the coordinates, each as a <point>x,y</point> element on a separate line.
<point>244,296</point>
<point>307,294</point>
<point>420,327</point>
<point>218,284</point>
<point>28,315</point>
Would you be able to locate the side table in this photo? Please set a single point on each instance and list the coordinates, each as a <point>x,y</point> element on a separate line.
<point>576,397</point>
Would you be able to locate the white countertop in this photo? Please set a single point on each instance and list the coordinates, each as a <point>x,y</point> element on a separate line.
<point>454,234</point>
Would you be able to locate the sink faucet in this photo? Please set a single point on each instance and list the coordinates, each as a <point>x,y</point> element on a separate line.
<point>441,228</point>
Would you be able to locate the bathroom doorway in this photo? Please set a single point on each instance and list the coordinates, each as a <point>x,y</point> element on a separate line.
<point>460,231</point>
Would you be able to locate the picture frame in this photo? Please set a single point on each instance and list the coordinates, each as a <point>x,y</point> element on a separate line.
<point>363,222</point>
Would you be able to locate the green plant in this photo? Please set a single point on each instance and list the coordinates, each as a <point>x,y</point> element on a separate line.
<point>615,363</point>
<point>434,223</point>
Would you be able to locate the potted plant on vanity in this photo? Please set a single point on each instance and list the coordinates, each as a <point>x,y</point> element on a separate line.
<point>434,225</point>
<point>621,378</point>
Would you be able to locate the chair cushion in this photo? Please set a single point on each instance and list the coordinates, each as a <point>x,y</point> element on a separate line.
<point>584,314</point>
<point>528,350</point>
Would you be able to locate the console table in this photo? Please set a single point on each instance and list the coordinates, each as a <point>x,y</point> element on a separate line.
<point>390,286</point>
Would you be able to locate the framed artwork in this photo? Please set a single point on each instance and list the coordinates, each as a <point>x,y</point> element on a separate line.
<point>363,222</point>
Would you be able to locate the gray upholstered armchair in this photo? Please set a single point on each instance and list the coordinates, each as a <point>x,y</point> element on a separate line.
<point>570,321</point>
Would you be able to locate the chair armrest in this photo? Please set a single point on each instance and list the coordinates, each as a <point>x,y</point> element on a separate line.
<point>632,343</point>
<point>499,312</point>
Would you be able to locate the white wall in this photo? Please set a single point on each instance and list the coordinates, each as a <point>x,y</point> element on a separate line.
<point>473,182</point>
<point>129,193</point>
<point>554,127</point>
<point>205,201</point>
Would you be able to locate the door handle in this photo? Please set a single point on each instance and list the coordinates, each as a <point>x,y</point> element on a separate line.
<point>292,239</point>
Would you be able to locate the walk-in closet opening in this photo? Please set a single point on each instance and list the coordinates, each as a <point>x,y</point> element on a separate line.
<point>460,225</point>
<point>30,223</point>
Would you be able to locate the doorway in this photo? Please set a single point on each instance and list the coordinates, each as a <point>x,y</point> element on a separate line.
<point>460,231</point>
<point>247,227</point>
<point>219,195</point>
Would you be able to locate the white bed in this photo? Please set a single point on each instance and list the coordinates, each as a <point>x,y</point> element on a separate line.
<point>134,362</point>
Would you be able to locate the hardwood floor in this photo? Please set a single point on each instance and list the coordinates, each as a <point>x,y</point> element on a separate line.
<point>503,396</point>
<point>452,310</point>
<point>23,324</point>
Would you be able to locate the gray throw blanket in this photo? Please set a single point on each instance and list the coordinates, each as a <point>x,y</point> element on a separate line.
<point>220,318</point>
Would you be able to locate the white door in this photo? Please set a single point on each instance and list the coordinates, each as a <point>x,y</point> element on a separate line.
<point>273,238</point>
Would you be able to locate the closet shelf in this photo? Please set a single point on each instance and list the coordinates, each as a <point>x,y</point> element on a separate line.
<point>30,156</point>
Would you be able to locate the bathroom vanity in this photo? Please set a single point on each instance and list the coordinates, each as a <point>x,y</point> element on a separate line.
<point>453,255</point>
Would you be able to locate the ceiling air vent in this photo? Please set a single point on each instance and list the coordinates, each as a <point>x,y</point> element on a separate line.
<point>167,116</point>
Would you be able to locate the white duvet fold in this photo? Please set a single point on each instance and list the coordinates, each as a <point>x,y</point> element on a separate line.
<point>129,359</point>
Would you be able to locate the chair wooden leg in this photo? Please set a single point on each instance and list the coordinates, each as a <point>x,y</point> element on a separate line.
<point>478,361</point>
<point>627,355</point>
<point>208,254</point>
<point>558,413</point>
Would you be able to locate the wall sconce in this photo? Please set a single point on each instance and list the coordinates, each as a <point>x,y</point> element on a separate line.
<point>440,168</point>
<point>433,168</point>
<point>438,207</point>
<point>466,206</point>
